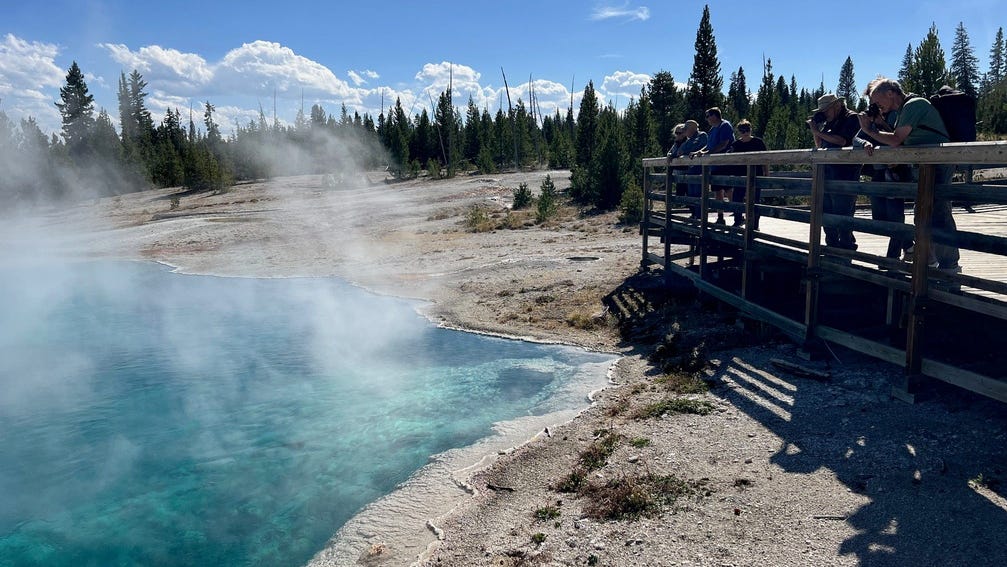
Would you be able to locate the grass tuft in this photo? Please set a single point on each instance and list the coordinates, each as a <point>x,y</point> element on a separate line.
<point>674,405</point>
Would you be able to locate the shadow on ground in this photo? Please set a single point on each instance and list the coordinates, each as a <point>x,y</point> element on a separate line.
<point>932,471</point>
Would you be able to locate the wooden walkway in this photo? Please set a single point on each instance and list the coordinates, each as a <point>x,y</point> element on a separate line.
<point>933,323</point>
<point>986,219</point>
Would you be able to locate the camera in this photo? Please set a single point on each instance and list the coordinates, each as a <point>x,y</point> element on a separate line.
<point>873,111</point>
<point>818,117</point>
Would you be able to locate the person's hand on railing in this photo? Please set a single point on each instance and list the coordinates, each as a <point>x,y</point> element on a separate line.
<point>869,148</point>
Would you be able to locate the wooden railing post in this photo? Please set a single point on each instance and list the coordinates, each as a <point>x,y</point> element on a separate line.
<point>704,212</point>
<point>667,223</point>
<point>645,222</point>
<point>919,287</point>
<point>814,268</point>
<point>746,275</point>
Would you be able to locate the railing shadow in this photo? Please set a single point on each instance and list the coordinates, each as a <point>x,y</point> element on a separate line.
<point>916,465</point>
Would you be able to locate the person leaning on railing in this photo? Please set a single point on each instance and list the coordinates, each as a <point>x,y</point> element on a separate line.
<point>695,141</point>
<point>891,209</point>
<point>918,123</point>
<point>675,152</point>
<point>833,126</point>
<point>746,142</point>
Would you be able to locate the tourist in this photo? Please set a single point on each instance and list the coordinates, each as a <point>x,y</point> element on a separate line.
<point>890,209</point>
<point>834,126</point>
<point>675,152</point>
<point>746,142</point>
<point>721,137</point>
<point>917,123</point>
<point>695,142</point>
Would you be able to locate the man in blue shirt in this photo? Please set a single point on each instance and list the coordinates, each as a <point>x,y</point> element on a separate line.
<point>719,140</point>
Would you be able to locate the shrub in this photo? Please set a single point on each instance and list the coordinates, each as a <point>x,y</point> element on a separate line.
<point>434,168</point>
<point>546,200</point>
<point>546,513</point>
<point>675,405</point>
<point>478,220</point>
<point>522,196</point>
<point>631,205</point>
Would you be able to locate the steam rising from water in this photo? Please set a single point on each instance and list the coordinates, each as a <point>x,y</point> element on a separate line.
<point>159,418</point>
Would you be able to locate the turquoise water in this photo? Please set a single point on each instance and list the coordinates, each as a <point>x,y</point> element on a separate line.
<point>151,418</point>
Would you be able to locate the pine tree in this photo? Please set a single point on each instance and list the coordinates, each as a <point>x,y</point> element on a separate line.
<point>608,170</point>
<point>641,139</point>
<point>929,70</point>
<point>398,140</point>
<point>906,70</point>
<point>668,104</point>
<point>77,112</point>
<point>766,101</point>
<point>738,95</point>
<point>138,109</point>
<point>998,65</point>
<point>587,126</point>
<point>964,63</point>
<point>212,130</point>
<point>472,145</point>
<point>847,87</point>
<point>706,83</point>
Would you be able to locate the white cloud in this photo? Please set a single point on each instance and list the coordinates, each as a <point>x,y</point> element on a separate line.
<point>623,84</point>
<point>29,64</point>
<point>186,72</point>
<point>27,70</point>
<point>259,67</point>
<point>623,12</point>
<point>357,79</point>
<point>370,74</point>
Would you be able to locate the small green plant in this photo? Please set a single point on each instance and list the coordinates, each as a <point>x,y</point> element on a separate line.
<point>522,196</point>
<point>478,220</point>
<point>634,497</point>
<point>547,205</point>
<point>546,513</point>
<point>572,482</point>
<point>631,204</point>
<point>592,559</point>
<point>639,442</point>
<point>674,405</point>
<point>683,383</point>
<point>434,168</point>
<point>538,538</point>
<point>174,203</point>
<point>597,453</point>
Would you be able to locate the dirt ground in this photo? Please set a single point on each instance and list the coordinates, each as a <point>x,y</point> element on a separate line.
<point>708,449</point>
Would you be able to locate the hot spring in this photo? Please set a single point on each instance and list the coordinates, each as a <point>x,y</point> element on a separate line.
<point>152,418</point>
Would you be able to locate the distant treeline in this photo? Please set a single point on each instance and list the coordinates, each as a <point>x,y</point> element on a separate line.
<point>601,144</point>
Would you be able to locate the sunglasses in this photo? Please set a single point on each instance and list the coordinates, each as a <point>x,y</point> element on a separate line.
<point>744,129</point>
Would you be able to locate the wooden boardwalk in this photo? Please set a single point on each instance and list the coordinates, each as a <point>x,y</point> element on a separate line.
<point>986,219</point>
<point>934,323</point>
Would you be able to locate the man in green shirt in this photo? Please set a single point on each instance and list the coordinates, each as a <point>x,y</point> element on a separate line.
<point>918,123</point>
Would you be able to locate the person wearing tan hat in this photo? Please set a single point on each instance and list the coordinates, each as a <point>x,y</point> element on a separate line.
<point>834,126</point>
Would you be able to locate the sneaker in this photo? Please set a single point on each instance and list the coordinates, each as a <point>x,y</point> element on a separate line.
<point>956,269</point>
<point>907,254</point>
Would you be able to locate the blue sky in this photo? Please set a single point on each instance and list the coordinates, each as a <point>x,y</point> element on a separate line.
<point>236,54</point>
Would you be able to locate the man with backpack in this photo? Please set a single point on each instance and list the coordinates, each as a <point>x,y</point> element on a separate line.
<point>918,123</point>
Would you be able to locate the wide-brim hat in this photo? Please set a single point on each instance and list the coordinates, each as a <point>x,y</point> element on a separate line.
<point>825,101</point>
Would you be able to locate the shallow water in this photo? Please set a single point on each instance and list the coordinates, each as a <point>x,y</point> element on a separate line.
<point>155,418</point>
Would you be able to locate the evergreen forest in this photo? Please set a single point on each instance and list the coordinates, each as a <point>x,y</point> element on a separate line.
<point>600,145</point>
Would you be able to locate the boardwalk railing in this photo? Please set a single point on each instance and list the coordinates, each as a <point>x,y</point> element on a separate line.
<point>776,269</point>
